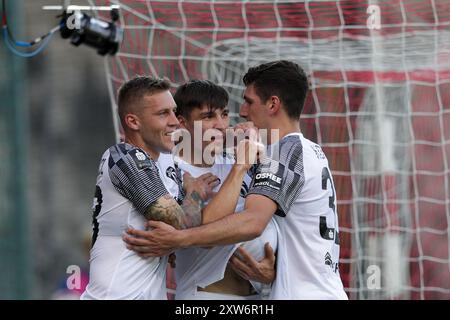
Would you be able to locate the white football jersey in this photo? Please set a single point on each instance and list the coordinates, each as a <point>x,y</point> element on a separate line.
<point>298,179</point>
<point>200,267</point>
<point>129,181</point>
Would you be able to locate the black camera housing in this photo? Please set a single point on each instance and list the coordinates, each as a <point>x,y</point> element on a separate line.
<point>105,36</point>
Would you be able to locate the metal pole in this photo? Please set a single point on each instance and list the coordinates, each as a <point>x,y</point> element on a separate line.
<point>14,250</point>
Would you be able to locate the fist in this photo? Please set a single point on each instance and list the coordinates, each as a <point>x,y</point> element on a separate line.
<point>248,152</point>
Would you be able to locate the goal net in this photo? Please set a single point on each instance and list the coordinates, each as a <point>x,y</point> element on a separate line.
<point>379,105</point>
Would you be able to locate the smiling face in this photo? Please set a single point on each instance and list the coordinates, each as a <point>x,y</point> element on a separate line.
<point>158,121</point>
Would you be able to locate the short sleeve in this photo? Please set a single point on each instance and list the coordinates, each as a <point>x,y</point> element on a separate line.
<point>135,176</point>
<point>281,177</point>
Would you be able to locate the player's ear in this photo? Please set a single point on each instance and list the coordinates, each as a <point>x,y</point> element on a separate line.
<point>182,120</point>
<point>132,121</point>
<point>274,105</point>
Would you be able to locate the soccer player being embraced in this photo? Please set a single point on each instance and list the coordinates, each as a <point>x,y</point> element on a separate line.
<point>204,273</point>
<point>294,185</point>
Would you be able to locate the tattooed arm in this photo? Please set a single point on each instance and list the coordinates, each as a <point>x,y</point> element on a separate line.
<point>189,214</point>
<point>136,177</point>
<point>192,209</point>
<point>167,210</point>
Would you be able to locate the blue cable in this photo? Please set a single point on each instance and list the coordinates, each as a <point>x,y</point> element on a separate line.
<point>23,44</point>
<point>10,45</point>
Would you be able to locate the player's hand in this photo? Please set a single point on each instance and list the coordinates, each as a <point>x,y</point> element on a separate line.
<point>248,128</point>
<point>248,153</point>
<point>248,268</point>
<point>158,242</point>
<point>241,131</point>
<point>202,185</point>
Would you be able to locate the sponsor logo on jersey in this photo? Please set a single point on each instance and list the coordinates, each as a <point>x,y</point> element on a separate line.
<point>270,176</point>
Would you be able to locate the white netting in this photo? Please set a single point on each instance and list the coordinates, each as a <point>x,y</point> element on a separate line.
<point>379,106</point>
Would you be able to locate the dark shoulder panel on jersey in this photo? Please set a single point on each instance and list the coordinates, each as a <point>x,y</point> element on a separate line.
<point>281,177</point>
<point>135,176</point>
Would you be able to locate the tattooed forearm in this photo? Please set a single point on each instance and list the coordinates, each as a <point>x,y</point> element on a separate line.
<point>192,207</point>
<point>167,210</point>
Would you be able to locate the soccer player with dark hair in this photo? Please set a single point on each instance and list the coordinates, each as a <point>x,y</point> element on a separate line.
<point>204,273</point>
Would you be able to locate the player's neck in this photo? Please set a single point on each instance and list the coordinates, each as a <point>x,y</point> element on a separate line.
<point>282,128</point>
